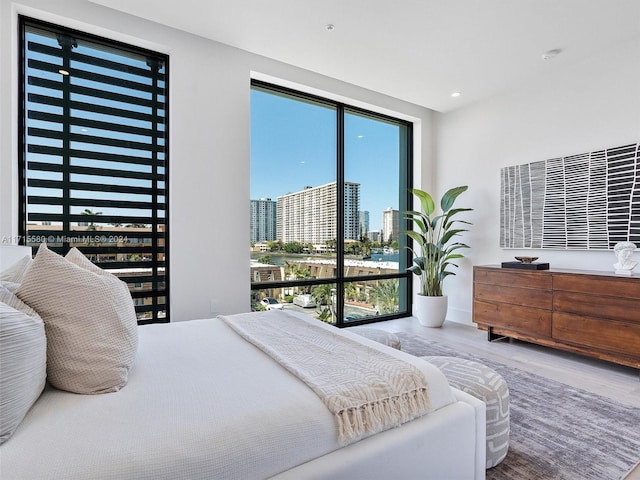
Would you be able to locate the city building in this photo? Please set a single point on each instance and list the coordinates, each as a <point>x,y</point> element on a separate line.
<point>263,220</point>
<point>390,225</point>
<point>364,223</point>
<point>308,216</point>
<point>373,236</point>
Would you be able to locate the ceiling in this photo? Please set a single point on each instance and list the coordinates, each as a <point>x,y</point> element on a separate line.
<point>420,51</point>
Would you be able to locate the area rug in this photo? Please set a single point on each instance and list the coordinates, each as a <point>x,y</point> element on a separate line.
<point>557,432</point>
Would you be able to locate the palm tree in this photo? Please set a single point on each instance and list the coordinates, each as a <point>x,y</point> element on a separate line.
<point>295,270</point>
<point>323,295</point>
<point>350,291</point>
<point>385,294</point>
<point>89,212</point>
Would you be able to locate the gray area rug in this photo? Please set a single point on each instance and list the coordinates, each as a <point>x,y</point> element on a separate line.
<point>557,432</point>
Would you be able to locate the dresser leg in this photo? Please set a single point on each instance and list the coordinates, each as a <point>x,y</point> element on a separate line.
<point>493,336</point>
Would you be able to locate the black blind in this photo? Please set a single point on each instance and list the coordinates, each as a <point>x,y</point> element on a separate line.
<point>95,156</point>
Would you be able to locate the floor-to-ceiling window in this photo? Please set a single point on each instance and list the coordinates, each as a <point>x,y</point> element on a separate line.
<point>93,163</point>
<point>329,184</point>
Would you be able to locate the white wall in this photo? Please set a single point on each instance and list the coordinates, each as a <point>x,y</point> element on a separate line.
<point>578,108</point>
<point>209,143</point>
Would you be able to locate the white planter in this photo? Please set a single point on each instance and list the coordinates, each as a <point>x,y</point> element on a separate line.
<point>430,311</point>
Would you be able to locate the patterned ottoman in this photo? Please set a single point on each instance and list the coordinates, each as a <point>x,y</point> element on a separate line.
<point>380,336</point>
<point>487,385</point>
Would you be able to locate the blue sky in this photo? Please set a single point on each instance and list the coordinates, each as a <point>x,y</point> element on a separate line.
<point>293,145</point>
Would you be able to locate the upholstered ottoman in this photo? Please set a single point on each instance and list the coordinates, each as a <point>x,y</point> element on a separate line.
<point>387,338</point>
<point>487,385</point>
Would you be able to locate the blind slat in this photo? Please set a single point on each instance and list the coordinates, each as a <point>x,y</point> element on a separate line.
<point>95,124</point>
<point>94,140</point>
<point>102,172</point>
<point>135,234</point>
<point>88,154</point>
<point>35,200</point>
<point>95,93</point>
<point>94,187</point>
<point>78,218</point>
<point>41,99</point>
<point>78,73</point>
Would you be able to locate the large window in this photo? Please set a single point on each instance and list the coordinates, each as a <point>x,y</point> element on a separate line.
<point>329,183</point>
<point>93,163</point>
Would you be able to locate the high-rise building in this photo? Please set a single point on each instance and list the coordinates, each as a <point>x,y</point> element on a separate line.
<point>373,236</point>
<point>263,220</point>
<point>309,216</point>
<point>390,225</point>
<point>363,223</point>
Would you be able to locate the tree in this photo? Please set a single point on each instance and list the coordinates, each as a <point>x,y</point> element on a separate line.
<point>331,244</point>
<point>322,294</point>
<point>274,246</point>
<point>89,212</point>
<point>295,270</point>
<point>350,291</point>
<point>294,247</point>
<point>265,259</point>
<point>385,294</point>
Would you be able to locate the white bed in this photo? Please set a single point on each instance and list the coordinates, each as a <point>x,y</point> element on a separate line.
<point>203,403</point>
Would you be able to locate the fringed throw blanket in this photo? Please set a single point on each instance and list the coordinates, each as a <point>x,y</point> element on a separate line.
<point>367,390</point>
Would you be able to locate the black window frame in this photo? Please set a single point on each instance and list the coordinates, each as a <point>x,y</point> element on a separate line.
<point>66,237</point>
<point>339,279</point>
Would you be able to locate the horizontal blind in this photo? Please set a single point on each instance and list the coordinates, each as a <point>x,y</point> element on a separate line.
<point>94,162</point>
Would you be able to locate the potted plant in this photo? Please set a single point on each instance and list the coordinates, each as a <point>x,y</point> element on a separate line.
<point>434,249</point>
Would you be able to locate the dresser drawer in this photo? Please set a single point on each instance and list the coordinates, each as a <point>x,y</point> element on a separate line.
<point>534,321</point>
<point>623,309</point>
<point>512,278</point>
<point>601,285</point>
<point>526,297</point>
<point>603,334</point>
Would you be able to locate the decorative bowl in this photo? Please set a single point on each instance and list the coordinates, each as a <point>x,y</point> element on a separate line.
<point>526,259</point>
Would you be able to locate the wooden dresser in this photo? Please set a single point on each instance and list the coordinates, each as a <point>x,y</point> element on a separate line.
<point>587,312</point>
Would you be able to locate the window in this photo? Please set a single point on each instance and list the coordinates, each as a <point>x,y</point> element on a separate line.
<point>93,162</point>
<point>335,179</point>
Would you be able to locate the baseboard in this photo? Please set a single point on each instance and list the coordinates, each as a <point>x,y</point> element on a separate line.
<point>459,316</point>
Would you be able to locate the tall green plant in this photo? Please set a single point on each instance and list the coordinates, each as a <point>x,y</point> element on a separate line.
<point>433,245</point>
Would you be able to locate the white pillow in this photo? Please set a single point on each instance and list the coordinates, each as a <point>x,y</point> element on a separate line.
<point>23,361</point>
<point>76,257</point>
<point>90,321</point>
<point>16,271</point>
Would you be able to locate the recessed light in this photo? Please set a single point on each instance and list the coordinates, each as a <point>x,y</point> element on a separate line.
<point>456,94</point>
<point>549,54</point>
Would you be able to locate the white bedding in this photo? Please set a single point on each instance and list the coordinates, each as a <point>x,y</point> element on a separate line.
<point>183,415</point>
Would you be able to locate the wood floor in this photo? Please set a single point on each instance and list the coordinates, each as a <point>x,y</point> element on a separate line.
<point>610,380</point>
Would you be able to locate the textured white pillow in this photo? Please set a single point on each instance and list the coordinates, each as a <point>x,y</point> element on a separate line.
<point>23,361</point>
<point>16,271</point>
<point>90,321</point>
<point>76,257</point>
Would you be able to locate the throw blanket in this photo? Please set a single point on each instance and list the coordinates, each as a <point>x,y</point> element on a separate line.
<point>367,390</point>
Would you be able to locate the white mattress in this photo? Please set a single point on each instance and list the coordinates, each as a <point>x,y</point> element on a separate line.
<point>201,403</point>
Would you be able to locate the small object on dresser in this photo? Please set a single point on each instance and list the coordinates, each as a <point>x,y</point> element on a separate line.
<point>526,266</point>
<point>526,259</point>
